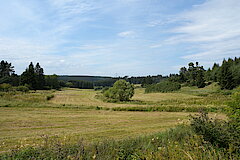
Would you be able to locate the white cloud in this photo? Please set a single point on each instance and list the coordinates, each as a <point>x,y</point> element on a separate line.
<point>213,28</point>
<point>68,8</point>
<point>156,46</point>
<point>127,34</point>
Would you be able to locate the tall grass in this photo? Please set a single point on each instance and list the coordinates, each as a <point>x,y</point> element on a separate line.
<point>179,143</point>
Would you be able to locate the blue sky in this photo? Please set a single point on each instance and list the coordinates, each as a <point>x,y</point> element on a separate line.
<point>118,37</point>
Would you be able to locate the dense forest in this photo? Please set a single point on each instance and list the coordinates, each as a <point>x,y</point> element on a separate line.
<point>226,75</point>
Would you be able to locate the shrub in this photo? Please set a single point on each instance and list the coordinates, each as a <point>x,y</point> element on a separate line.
<point>5,87</point>
<point>22,88</point>
<point>69,84</point>
<point>165,86</point>
<point>98,88</point>
<point>104,89</point>
<point>234,119</point>
<point>49,97</point>
<point>121,91</point>
<point>225,134</point>
<point>213,130</point>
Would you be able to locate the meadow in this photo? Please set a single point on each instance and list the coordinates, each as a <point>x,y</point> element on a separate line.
<point>189,99</point>
<point>73,114</point>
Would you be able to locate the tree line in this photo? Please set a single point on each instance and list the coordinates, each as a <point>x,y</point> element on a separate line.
<point>33,77</point>
<point>226,75</point>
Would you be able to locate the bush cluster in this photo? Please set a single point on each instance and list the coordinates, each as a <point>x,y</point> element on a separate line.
<point>9,88</point>
<point>49,97</point>
<point>224,134</point>
<point>165,86</point>
<point>121,91</point>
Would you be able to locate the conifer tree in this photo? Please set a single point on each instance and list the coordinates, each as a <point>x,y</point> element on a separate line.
<point>6,69</point>
<point>200,82</point>
<point>226,77</point>
<point>40,80</point>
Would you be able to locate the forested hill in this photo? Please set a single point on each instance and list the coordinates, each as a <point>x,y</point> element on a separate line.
<point>108,81</point>
<point>82,78</point>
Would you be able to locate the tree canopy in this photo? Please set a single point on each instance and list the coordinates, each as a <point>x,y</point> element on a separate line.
<point>121,90</point>
<point>33,76</point>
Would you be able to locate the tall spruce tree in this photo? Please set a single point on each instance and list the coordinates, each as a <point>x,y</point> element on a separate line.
<point>7,74</point>
<point>200,81</point>
<point>6,69</point>
<point>225,76</point>
<point>40,79</point>
<point>29,76</point>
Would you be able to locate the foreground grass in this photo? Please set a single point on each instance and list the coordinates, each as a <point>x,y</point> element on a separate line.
<point>21,126</point>
<point>176,144</point>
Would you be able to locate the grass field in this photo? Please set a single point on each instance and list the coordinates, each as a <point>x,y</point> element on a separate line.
<point>186,97</point>
<point>27,125</point>
<point>72,114</point>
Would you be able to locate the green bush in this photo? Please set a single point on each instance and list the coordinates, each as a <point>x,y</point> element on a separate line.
<point>224,134</point>
<point>104,89</point>
<point>213,130</point>
<point>98,88</point>
<point>50,97</point>
<point>5,87</point>
<point>234,119</point>
<point>121,91</point>
<point>165,86</point>
<point>22,88</point>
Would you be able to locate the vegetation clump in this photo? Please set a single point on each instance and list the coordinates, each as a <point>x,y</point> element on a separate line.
<point>121,91</point>
<point>164,86</point>
<point>5,87</point>
<point>223,134</point>
<point>49,97</point>
<point>22,88</point>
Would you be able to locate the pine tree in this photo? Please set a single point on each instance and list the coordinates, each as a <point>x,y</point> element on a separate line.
<point>225,76</point>
<point>200,81</point>
<point>40,80</point>
<point>6,69</point>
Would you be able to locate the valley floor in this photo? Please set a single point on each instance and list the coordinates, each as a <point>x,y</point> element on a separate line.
<point>73,114</point>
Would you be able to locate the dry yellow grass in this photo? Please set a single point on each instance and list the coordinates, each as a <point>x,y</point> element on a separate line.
<point>87,98</point>
<point>84,97</point>
<point>28,124</point>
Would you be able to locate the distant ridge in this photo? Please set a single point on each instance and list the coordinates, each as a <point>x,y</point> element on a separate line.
<point>83,78</point>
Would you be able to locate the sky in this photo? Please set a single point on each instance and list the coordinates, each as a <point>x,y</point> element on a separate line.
<point>118,37</point>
